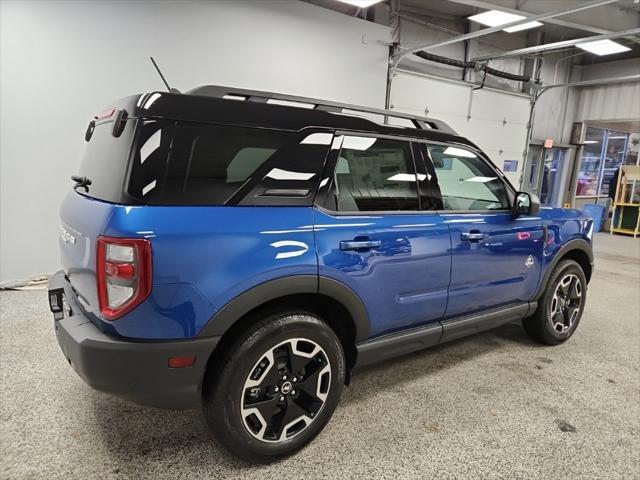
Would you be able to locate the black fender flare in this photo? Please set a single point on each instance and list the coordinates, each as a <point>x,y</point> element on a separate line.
<point>575,244</point>
<point>247,301</point>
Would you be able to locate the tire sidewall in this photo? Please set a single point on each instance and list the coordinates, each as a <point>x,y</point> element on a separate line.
<point>225,405</point>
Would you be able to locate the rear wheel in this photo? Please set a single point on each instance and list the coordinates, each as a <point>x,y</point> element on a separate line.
<point>561,306</point>
<point>276,387</point>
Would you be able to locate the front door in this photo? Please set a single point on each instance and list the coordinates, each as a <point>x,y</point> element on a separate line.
<point>376,235</point>
<point>496,255</point>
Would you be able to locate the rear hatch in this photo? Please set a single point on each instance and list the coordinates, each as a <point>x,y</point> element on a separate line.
<point>86,210</point>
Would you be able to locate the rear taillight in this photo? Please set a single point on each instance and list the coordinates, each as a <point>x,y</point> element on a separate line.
<point>124,274</point>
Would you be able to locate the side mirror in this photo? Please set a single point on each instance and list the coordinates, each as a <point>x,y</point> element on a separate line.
<point>526,204</point>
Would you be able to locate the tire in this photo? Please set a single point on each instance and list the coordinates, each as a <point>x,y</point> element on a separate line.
<point>293,356</point>
<point>561,305</point>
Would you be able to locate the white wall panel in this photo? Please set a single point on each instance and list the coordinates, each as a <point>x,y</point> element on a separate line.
<point>497,123</point>
<point>62,61</point>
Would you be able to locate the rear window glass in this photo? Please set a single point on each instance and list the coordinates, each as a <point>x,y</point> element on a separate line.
<point>214,165</point>
<point>105,161</point>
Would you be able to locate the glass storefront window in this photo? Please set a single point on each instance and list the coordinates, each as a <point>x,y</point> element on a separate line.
<point>590,162</point>
<point>633,150</point>
<point>613,158</point>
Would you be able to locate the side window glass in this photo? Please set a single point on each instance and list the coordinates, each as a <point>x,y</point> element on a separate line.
<point>247,161</point>
<point>375,175</point>
<point>150,158</point>
<point>197,164</point>
<point>466,181</point>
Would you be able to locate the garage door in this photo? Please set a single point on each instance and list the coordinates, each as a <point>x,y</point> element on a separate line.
<point>493,120</point>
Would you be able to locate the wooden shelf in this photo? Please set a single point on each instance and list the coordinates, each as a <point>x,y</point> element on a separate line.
<point>626,214</point>
<point>627,231</point>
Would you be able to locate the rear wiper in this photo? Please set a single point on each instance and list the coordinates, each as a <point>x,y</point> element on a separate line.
<point>81,182</point>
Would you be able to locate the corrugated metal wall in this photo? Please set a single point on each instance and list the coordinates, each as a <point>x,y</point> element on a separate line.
<point>609,102</point>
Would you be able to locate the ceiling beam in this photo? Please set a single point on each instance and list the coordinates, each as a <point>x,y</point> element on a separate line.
<point>556,45</point>
<point>554,21</point>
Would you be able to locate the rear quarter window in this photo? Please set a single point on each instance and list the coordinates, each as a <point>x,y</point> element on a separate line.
<point>194,164</point>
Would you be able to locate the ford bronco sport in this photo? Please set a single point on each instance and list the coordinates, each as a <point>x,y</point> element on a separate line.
<point>246,250</point>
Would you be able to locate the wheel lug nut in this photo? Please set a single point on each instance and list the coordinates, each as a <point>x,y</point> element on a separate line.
<point>293,392</point>
<point>284,377</point>
<point>281,398</point>
<point>276,389</point>
<point>294,379</point>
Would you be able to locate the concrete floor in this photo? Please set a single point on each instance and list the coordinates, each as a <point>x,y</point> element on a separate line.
<point>492,406</point>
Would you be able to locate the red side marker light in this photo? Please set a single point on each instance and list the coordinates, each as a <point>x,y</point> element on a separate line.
<point>523,235</point>
<point>182,362</point>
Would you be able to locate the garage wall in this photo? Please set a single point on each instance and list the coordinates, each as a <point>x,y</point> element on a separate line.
<point>555,109</point>
<point>558,108</point>
<point>61,62</point>
<point>414,33</point>
<point>496,121</point>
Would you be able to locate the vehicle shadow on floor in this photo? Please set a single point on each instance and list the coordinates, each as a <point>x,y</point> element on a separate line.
<point>431,360</point>
<point>134,435</point>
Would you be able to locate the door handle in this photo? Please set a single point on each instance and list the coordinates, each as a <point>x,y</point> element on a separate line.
<point>359,244</point>
<point>472,236</point>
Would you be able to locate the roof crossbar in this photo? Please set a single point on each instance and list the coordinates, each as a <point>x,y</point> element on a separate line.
<point>220,91</point>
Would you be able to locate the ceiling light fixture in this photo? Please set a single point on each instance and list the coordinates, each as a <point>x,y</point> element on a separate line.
<point>360,3</point>
<point>603,47</point>
<point>495,18</point>
<point>459,152</point>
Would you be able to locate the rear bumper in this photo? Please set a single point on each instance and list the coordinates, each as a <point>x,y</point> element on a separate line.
<point>134,370</point>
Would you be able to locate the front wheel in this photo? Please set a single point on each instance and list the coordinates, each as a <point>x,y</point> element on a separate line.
<point>276,387</point>
<point>561,306</point>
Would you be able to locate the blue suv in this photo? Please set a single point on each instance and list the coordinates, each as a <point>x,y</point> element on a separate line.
<point>247,250</point>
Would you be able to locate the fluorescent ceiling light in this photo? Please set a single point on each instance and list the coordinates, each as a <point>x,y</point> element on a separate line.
<point>459,152</point>
<point>407,177</point>
<point>495,18</point>
<point>360,3</point>
<point>603,47</point>
<point>591,141</point>
<point>524,26</point>
<point>152,144</point>
<point>358,143</point>
<point>288,103</point>
<point>279,174</point>
<point>481,179</point>
<point>317,139</point>
<point>618,137</point>
<point>234,97</point>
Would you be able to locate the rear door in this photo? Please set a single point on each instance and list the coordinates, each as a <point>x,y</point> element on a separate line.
<point>376,235</point>
<point>496,254</point>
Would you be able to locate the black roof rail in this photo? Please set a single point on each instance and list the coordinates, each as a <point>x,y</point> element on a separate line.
<point>220,91</point>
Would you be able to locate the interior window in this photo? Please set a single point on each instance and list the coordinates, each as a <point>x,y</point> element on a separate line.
<point>466,181</point>
<point>245,162</point>
<point>375,175</point>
